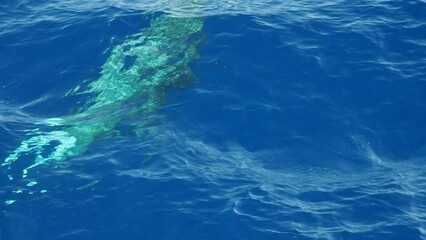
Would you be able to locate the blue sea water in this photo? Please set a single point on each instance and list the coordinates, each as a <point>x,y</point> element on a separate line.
<point>303,120</point>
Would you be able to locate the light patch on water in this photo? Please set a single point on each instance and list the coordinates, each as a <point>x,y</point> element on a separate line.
<point>8,202</point>
<point>30,184</point>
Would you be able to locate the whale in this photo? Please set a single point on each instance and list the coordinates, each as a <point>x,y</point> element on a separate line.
<point>142,69</point>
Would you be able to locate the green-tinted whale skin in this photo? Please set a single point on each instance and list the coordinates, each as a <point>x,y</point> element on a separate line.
<point>159,58</point>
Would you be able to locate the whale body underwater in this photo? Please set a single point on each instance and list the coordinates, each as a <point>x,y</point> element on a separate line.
<point>143,67</point>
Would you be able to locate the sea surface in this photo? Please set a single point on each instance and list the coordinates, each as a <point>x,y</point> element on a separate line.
<point>202,119</point>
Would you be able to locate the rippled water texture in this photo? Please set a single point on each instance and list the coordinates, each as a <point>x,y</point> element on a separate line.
<point>212,119</point>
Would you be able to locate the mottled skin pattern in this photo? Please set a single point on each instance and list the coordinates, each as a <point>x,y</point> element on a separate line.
<point>142,68</point>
